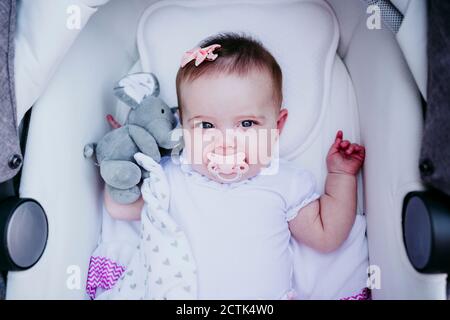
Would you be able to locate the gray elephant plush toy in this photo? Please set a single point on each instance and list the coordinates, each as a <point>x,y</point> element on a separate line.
<point>148,129</point>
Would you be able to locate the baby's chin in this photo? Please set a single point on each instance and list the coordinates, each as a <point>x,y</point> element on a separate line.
<point>227,178</point>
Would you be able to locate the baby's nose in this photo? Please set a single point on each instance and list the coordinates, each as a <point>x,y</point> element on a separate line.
<point>226,144</point>
<point>224,150</point>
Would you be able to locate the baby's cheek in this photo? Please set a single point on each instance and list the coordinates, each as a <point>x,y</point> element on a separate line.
<point>196,146</point>
<point>188,152</point>
<point>265,154</point>
<point>260,147</point>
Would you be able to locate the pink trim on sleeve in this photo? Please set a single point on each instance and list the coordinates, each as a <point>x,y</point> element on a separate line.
<point>103,273</point>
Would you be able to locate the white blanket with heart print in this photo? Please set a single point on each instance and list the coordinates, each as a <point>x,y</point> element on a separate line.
<point>162,265</point>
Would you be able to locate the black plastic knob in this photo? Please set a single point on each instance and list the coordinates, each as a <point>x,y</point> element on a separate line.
<point>426,167</point>
<point>426,231</point>
<point>23,233</point>
<point>15,161</point>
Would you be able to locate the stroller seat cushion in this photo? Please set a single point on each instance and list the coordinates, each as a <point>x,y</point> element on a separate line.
<point>302,34</point>
<point>41,44</point>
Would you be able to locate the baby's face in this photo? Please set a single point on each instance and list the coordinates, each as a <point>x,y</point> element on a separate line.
<point>231,124</point>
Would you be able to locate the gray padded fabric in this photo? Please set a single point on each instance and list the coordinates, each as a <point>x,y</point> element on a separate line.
<point>435,153</point>
<point>9,141</point>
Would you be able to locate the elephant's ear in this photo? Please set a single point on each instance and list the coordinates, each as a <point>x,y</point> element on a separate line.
<point>134,88</point>
<point>176,113</point>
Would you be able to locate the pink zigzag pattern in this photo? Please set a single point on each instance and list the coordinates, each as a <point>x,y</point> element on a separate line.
<point>103,273</point>
<point>365,294</point>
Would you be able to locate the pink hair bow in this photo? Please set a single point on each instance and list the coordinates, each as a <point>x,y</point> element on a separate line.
<point>199,55</point>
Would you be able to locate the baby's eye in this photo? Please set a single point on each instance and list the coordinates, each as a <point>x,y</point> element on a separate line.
<point>206,125</point>
<point>247,123</point>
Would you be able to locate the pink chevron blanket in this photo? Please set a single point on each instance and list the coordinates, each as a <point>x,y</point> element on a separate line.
<point>103,273</point>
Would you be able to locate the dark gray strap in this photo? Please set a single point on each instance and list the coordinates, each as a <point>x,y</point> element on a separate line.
<point>10,154</point>
<point>435,153</point>
<point>2,286</point>
<point>390,15</point>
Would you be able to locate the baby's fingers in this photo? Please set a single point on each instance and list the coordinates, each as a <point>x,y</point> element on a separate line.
<point>354,148</point>
<point>358,148</point>
<point>362,151</point>
<point>344,144</point>
<point>339,136</point>
<point>337,141</point>
<point>357,151</point>
<point>350,149</point>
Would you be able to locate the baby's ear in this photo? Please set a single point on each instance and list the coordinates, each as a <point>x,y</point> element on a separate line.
<point>134,88</point>
<point>281,121</point>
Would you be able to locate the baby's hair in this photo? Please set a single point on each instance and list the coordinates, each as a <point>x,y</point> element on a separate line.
<point>238,54</point>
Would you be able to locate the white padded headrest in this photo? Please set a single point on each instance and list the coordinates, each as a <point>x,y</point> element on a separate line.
<point>301,34</point>
<point>41,44</point>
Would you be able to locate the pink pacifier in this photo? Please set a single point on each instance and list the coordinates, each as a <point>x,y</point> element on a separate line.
<point>220,165</point>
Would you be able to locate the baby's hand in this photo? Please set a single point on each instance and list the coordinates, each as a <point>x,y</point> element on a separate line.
<point>344,156</point>
<point>146,161</point>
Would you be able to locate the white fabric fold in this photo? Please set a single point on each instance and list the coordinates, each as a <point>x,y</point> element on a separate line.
<point>162,266</point>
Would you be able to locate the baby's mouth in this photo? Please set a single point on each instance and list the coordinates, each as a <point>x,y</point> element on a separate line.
<point>227,168</point>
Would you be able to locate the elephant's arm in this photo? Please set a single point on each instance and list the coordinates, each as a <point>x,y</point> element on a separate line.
<point>145,142</point>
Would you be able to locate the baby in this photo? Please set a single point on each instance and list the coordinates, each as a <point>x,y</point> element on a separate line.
<point>236,201</point>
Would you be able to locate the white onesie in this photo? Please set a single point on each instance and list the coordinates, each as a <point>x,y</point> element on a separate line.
<point>239,232</point>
